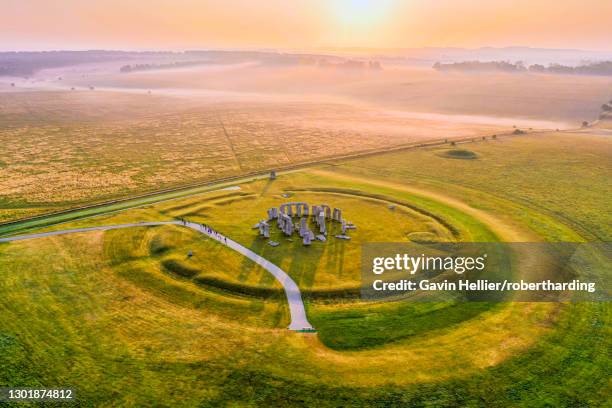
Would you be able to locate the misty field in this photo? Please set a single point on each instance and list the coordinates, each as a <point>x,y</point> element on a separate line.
<point>63,149</point>
<point>146,131</point>
<point>128,318</point>
<point>140,320</point>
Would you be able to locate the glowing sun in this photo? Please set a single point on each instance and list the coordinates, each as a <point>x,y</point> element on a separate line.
<point>361,12</point>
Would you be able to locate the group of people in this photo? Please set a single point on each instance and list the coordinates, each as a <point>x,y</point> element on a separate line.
<point>209,231</point>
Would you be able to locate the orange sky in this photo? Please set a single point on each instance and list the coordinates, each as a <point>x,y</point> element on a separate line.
<point>303,24</point>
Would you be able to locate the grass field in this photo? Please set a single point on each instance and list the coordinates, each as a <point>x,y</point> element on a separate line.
<point>127,318</point>
<point>147,131</point>
<point>62,149</point>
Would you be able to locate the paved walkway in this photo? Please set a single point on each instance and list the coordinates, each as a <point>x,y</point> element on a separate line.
<point>299,321</point>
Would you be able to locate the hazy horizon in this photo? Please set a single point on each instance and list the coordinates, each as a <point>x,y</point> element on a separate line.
<point>304,25</point>
<point>321,49</point>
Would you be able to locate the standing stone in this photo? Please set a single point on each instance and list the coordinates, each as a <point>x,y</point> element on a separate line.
<point>327,211</point>
<point>315,212</point>
<point>321,222</point>
<point>337,216</point>
<point>303,227</point>
<point>280,221</point>
<point>287,224</point>
<point>272,213</point>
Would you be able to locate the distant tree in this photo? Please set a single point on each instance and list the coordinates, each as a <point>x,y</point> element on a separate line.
<point>585,123</point>
<point>606,108</point>
<point>375,65</point>
<point>594,68</point>
<point>453,143</point>
<point>537,68</point>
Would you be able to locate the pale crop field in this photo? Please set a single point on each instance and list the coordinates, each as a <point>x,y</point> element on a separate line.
<point>61,149</point>
<point>146,131</point>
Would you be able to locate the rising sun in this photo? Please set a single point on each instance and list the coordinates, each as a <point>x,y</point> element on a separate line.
<point>361,12</point>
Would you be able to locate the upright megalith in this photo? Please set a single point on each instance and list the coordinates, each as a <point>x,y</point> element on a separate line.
<point>321,223</point>
<point>285,224</point>
<point>272,213</point>
<point>303,227</point>
<point>308,237</point>
<point>315,211</point>
<point>337,215</point>
<point>264,229</point>
<point>319,215</point>
<point>294,209</point>
<point>327,209</point>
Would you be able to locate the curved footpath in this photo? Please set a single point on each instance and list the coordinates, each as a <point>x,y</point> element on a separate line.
<point>299,321</point>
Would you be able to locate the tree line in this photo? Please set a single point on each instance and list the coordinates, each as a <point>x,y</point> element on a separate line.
<point>591,68</point>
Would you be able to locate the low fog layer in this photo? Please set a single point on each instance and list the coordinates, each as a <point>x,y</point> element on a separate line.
<point>97,130</point>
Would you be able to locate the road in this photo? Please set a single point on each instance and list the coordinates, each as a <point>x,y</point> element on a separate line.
<point>299,321</point>
<point>45,220</point>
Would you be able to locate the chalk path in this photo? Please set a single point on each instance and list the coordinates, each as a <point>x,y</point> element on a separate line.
<point>299,321</point>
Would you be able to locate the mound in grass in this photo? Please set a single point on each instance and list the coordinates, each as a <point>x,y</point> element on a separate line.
<point>177,267</point>
<point>460,154</point>
<point>238,288</point>
<point>423,237</point>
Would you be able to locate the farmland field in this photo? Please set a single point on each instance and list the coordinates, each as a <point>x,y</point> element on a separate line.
<point>142,132</point>
<point>128,319</point>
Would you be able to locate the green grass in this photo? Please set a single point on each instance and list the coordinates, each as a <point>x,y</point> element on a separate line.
<point>121,205</point>
<point>563,176</point>
<point>459,154</point>
<point>100,312</point>
<point>363,327</point>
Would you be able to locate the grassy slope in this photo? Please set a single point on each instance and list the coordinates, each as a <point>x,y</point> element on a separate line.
<point>154,355</point>
<point>563,175</point>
